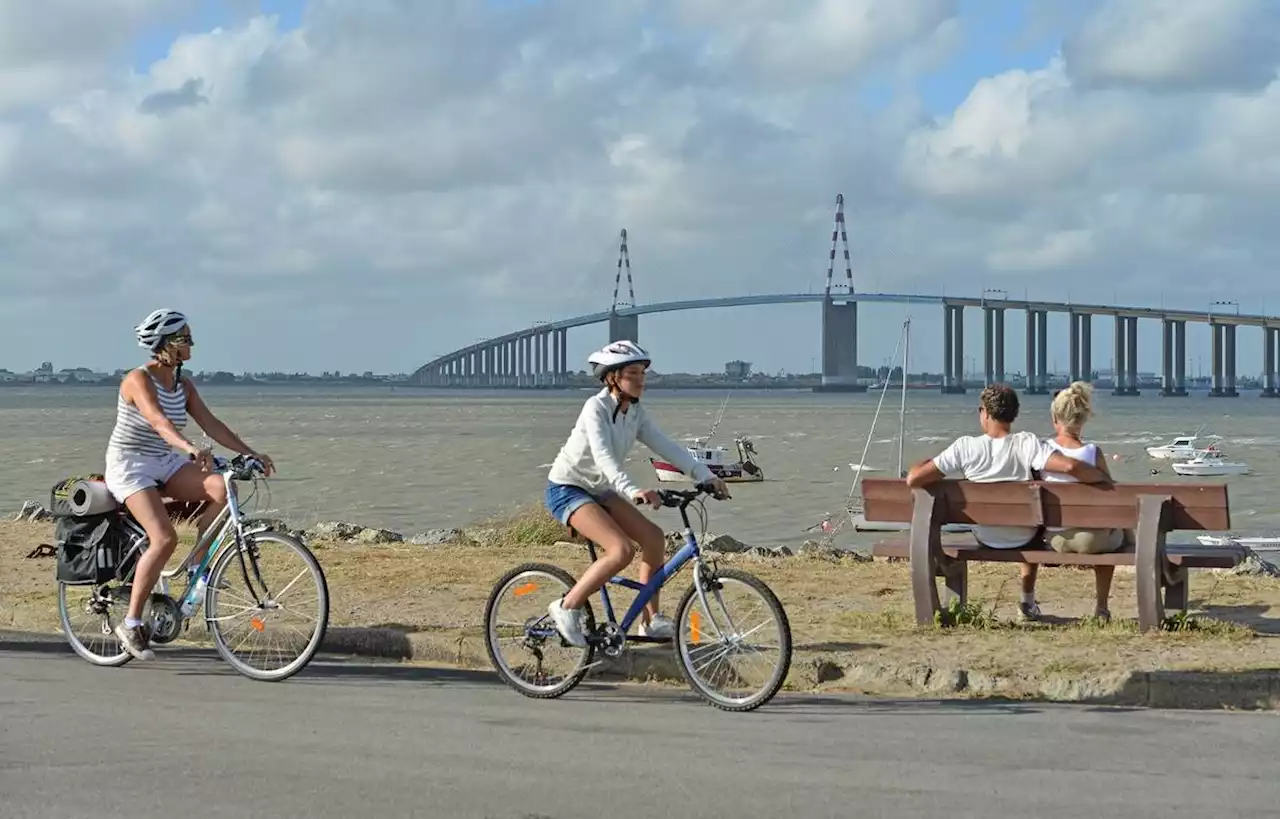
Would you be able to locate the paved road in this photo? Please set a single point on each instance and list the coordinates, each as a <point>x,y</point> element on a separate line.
<point>186,736</point>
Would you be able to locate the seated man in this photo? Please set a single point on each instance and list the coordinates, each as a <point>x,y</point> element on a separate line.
<point>999,454</point>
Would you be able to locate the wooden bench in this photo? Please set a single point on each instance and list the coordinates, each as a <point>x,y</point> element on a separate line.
<point>1151,510</point>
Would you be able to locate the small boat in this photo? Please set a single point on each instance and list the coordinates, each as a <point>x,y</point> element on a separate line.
<point>1179,449</point>
<point>1210,462</point>
<point>1229,540</point>
<point>720,460</point>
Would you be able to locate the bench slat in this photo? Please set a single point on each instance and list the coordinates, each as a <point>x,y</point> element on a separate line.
<point>1202,507</point>
<point>964,547</point>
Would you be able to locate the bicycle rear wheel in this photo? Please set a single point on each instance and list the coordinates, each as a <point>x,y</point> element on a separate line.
<point>284,601</point>
<point>523,644</point>
<point>752,628</point>
<point>89,616</point>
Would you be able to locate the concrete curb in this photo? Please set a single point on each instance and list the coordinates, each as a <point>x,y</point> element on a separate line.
<point>838,671</point>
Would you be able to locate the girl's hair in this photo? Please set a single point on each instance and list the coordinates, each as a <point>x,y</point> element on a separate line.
<point>1074,405</point>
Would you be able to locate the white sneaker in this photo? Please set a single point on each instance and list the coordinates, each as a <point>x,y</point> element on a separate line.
<point>568,623</point>
<point>661,627</point>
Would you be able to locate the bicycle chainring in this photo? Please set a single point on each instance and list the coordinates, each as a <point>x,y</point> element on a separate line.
<point>613,640</point>
<point>166,618</point>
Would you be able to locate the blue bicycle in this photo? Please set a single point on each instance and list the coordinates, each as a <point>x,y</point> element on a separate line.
<point>708,638</point>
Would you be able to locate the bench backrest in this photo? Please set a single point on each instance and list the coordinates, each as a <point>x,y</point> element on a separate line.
<point>1035,503</point>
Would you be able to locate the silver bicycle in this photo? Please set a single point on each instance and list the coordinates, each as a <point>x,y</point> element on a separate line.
<point>247,591</point>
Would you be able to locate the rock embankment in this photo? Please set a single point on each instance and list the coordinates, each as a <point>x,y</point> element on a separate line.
<point>341,531</point>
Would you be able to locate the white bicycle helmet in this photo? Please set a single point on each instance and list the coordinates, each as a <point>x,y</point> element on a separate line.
<point>616,355</point>
<point>153,329</point>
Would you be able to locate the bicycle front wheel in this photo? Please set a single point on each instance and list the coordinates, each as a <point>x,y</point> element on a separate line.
<point>734,651</point>
<point>267,606</point>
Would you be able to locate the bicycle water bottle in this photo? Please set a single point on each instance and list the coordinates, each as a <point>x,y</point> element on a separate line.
<point>192,598</point>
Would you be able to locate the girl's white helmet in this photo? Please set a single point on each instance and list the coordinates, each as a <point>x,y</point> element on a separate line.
<point>616,355</point>
<point>153,329</point>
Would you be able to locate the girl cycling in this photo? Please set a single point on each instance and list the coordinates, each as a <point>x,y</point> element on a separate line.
<point>589,490</point>
<point>148,452</point>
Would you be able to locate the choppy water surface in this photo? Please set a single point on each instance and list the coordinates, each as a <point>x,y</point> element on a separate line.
<point>410,460</point>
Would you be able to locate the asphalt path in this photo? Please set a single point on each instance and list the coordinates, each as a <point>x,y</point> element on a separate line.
<point>184,736</point>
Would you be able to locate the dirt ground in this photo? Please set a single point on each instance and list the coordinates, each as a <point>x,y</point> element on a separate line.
<point>842,607</point>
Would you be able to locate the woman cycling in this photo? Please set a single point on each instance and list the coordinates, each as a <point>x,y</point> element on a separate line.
<point>589,490</point>
<point>147,453</point>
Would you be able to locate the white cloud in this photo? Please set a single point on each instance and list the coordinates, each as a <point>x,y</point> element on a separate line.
<point>1179,45</point>
<point>382,173</point>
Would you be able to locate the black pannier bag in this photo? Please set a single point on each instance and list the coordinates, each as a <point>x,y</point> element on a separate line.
<point>89,547</point>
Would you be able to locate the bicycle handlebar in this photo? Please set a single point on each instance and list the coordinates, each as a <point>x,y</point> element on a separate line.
<point>679,498</point>
<point>241,467</point>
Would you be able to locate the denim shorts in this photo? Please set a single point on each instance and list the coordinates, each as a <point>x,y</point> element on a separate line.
<point>564,499</point>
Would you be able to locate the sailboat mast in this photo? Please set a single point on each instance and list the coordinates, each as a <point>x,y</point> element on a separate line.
<point>902,411</point>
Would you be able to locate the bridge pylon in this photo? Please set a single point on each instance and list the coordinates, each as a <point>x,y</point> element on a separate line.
<point>623,327</point>
<point>840,320</point>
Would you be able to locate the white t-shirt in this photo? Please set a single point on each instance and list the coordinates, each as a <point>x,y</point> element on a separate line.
<point>983,459</point>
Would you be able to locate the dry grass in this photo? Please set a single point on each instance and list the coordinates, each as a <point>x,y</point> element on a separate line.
<point>856,610</point>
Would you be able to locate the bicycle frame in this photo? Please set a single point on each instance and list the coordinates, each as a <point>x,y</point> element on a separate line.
<point>689,551</point>
<point>228,521</point>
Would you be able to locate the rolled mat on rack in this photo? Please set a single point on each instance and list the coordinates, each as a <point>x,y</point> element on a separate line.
<point>90,498</point>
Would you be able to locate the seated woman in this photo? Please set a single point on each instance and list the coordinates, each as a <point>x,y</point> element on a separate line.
<point>1071,408</point>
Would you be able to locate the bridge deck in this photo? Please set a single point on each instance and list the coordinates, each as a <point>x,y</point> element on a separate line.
<point>882,298</point>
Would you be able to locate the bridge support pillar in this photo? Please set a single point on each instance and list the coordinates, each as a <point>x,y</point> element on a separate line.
<point>1073,346</point>
<point>1270,385</point>
<point>1131,351</point>
<point>993,344</point>
<point>564,357</point>
<point>528,360</point>
<point>1037,355</point>
<point>952,349</point>
<point>1081,343</point>
<point>1000,373</point>
<point>545,358</point>
<point>624,328</point>
<point>1173,358</point>
<point>1230,351</point>
<point>1125,368</point>
<point>1223,355</point>
<point>840,348</point>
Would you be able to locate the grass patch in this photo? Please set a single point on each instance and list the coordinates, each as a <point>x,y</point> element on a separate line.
<point>856,612</point>
<point>526,525</point>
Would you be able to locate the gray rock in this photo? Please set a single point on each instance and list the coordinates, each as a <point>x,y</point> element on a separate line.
<point>1254,566</point>
<point>725,544</point>
<point>483,536</point>
<point>33,512</point>
<point>437,537</point>
<point>334,530</point>
<point>375,536</point>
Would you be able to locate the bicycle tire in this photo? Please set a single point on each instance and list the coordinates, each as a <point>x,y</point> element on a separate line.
<point>322,621</point>
<point>571,681</point>
<point>781,669</point>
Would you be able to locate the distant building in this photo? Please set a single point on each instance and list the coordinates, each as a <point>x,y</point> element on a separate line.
<point>738,369</point>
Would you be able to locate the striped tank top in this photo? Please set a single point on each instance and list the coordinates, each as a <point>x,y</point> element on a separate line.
<point>134,436</point>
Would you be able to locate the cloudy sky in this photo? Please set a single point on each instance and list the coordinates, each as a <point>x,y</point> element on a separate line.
<point>364,185</point>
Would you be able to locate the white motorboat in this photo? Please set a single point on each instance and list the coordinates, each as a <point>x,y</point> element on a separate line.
<point>1210,462</point>
<point>719,460</point>
<point>1230,540</point>
<point>1179,449</point>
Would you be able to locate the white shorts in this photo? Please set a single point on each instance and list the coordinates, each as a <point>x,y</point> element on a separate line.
<point>128,473</point>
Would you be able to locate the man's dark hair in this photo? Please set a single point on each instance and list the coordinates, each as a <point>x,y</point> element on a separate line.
<point>1001,403</point>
